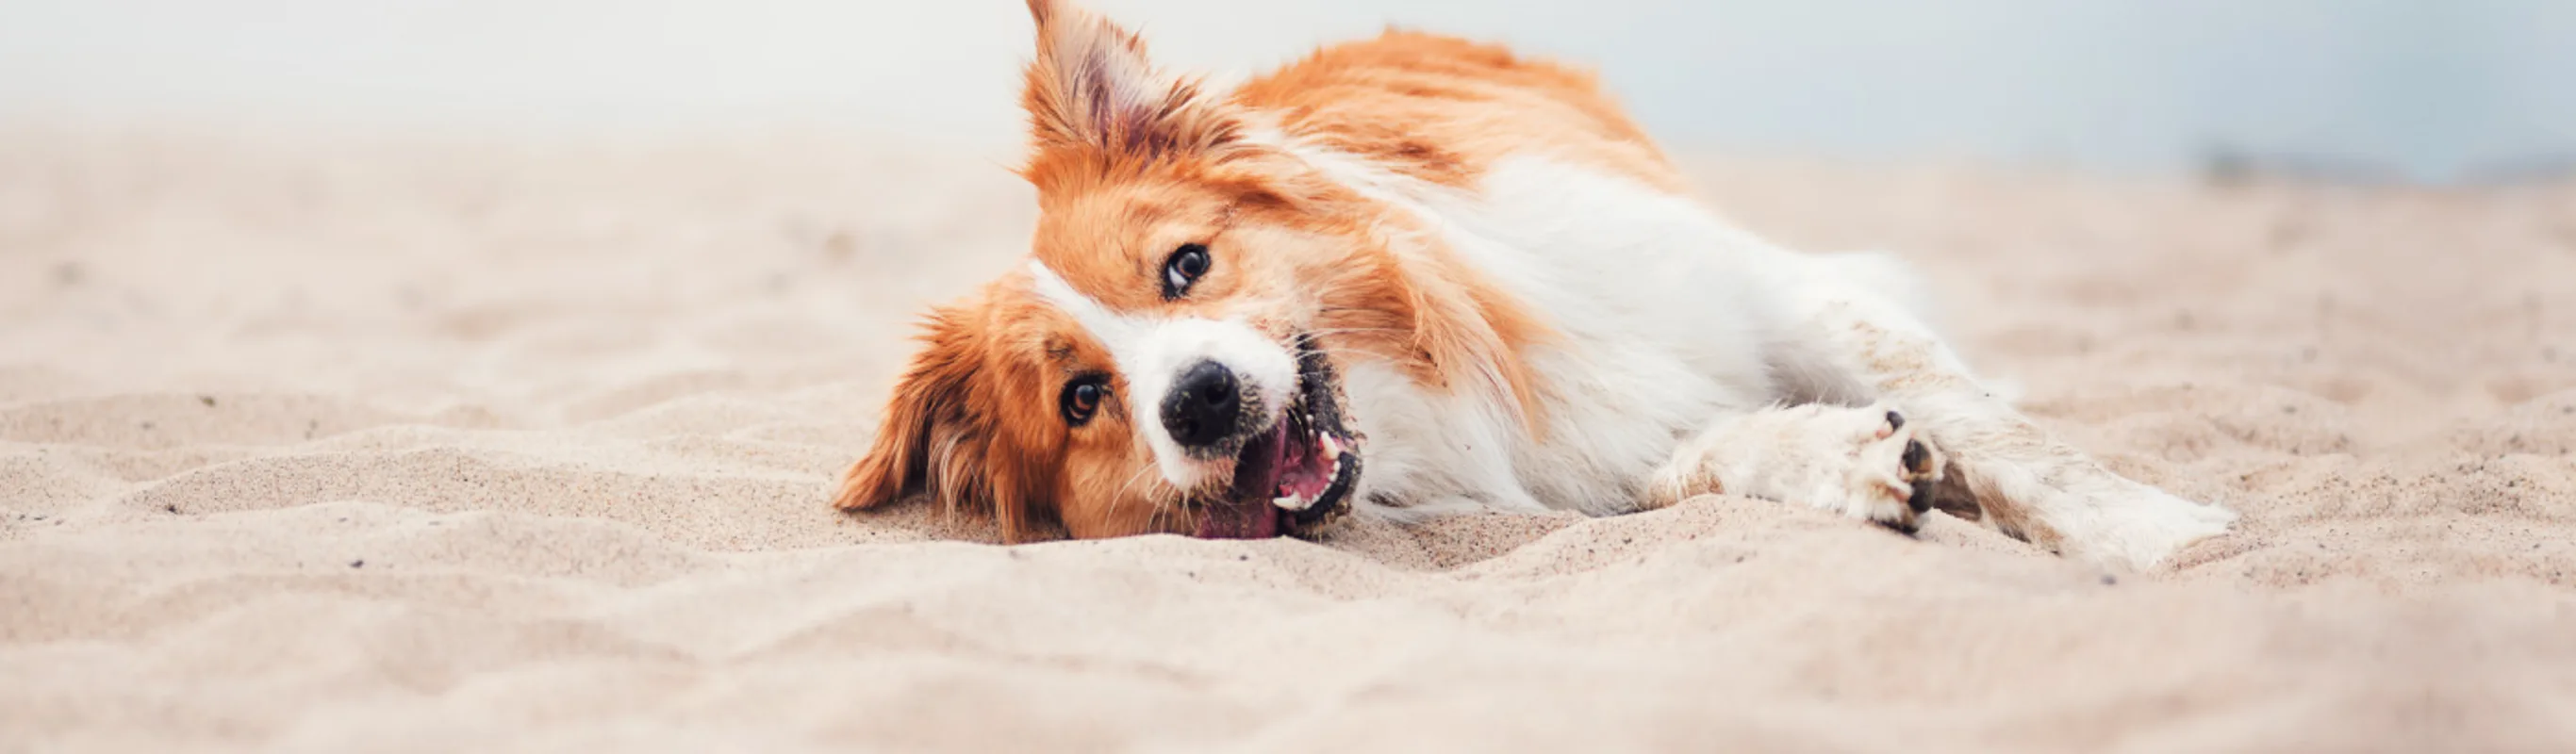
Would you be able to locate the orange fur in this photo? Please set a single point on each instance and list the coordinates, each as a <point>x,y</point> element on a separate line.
<point>1131,163</point>
<point>973,424</point>
<point>941,434</point>
<point>1441,109</point>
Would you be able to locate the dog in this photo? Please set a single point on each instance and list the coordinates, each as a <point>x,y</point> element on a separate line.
<point>1414,275</point>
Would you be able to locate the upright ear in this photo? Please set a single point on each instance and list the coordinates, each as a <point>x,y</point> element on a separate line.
<point>1092,86</point>
<point>934,439</point>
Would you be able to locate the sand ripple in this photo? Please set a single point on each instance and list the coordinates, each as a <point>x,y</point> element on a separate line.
<point>371,445</point>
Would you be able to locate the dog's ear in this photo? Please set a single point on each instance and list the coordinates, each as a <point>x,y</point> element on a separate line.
<point>1091,86</point>
<point>936,439</point>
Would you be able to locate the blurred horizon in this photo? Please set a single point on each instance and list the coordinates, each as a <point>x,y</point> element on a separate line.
<point>2366,90</point>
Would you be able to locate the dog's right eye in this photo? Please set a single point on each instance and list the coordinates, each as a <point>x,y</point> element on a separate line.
<point>1082,399</point>
<point>1183,269</point>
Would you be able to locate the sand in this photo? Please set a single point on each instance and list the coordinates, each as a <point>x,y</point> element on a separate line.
<point>420,443</point>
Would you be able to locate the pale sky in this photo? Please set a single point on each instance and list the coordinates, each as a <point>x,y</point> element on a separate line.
<point>2429,88</point>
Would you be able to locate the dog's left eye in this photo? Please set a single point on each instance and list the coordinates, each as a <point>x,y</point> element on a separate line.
<point>1186,266</point>
<point>1081,399</point>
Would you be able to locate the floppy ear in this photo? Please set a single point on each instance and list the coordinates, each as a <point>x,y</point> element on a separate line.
<point>1092,86</point>
<point>934,439</point>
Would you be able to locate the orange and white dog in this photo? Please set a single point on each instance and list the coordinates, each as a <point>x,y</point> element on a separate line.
<point>1415,274</point>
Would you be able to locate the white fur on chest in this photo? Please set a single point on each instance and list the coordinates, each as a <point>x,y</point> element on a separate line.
<point>1661,318</point>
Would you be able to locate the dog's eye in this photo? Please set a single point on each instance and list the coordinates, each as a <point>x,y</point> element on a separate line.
<point>1081,399</point>
<point>1186,266</point>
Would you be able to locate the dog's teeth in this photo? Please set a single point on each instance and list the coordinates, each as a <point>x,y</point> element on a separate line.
<point>1294,501</point>
<point>1332,450</point>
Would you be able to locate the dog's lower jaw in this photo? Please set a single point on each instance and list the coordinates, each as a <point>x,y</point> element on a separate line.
<point>1296,475</point>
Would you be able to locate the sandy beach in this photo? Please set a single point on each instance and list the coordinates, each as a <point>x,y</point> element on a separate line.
<point>368,444</point>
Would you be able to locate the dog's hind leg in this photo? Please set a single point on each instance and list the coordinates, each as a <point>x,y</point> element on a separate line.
<point>2017,477</point>
<point>1866,463</point>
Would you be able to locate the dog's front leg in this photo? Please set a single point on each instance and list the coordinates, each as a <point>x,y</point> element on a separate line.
<point>2002,467</point>
<point>1866,463</point>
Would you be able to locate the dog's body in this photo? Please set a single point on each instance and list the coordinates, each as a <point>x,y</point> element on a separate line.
<point>1469,271</point>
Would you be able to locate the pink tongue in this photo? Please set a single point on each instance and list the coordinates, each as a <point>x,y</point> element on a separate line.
<point>1303,477</point>
<point>1289,469</point>
<point>1301,469</point>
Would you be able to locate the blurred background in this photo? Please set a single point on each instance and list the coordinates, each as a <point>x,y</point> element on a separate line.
<point>2431,91</point>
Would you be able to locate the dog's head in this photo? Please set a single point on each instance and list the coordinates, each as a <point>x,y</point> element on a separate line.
<point>1168,359</point>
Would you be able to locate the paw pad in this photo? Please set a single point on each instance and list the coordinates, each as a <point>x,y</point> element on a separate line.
<point>1917,459</point>
<point>1918,471</point>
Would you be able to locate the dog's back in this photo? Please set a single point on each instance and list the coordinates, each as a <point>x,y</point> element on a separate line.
<point>1442,108</point>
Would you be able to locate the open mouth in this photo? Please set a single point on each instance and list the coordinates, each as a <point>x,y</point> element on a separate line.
<point>1296,476</point>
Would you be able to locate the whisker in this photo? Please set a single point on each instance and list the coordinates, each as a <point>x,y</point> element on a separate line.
<point>1139,476</point>
<point>1121,495</point>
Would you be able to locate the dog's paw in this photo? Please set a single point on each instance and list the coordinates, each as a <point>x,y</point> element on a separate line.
<point>1865,463</point>
<point>2132,525</point>
<point>1892,472</point>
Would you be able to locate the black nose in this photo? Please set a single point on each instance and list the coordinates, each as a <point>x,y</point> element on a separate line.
<point>1202,407</point>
